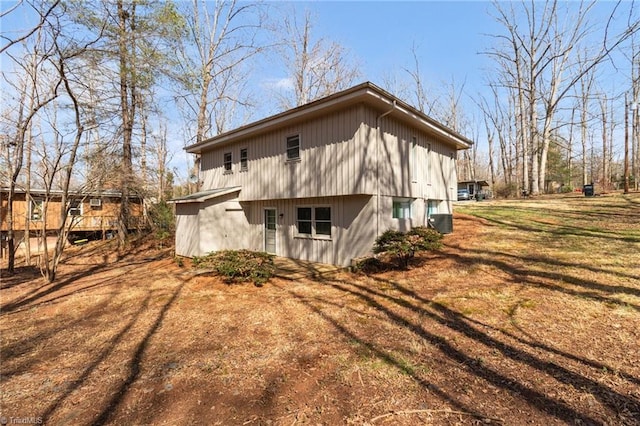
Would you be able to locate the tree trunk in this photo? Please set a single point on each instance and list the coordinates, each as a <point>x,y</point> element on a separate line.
<point>127,109</point>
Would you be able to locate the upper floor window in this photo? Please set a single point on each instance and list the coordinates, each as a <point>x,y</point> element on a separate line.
<point>227,161</point>
<point>244,159</point>
<point>75,208</point>
<point>35,209</point>
<point>293,147</point>
<point>414,159</point>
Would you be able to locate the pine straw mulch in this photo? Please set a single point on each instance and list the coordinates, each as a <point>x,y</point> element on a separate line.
<point>468,335</point>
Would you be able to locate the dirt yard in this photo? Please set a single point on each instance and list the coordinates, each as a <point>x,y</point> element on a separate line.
<point>503,326</point>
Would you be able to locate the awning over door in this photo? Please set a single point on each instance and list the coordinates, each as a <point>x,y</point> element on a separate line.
<point>202,196</point>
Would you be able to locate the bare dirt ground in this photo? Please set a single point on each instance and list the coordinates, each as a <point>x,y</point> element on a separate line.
<point>485,331</point>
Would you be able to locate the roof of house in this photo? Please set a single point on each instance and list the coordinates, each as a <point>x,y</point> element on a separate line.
<point>201,196</point>
<point>479,182</point>
<point>70,193</point>
<point>366,92</point>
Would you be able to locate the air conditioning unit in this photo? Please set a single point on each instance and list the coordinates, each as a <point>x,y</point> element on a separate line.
<point>95,202</point>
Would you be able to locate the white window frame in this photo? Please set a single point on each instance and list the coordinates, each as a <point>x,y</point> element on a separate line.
<point>314,234</point>
<point>405,206</point>
<point>229,163</point>
<point>33,203</point>
<point>79,208</point>
<point>244,162</point>
<point>414,159</point>
<point>290,138</point>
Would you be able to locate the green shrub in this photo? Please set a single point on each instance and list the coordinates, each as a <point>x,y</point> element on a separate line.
<point>428,238</point>
<point>403,246</point>
<point>397,245</point>
<point>368,265</point>
<point>162,221</point>
<point>239,265</point>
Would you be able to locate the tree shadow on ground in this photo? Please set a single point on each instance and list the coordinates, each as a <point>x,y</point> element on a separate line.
<point>559,230</point>
<point>135,362</point>
<point>21,275</point>
<point>128,332</point>
<point>389,306</point>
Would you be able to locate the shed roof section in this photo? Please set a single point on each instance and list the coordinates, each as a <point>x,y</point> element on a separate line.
<point>202,196</point>
<point>479,182</point>
<point>367,93</point>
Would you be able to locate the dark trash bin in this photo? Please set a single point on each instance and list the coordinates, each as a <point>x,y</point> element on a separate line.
<point>479,196</point>
<point>587,190</point>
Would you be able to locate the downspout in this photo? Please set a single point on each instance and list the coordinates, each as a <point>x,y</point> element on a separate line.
<point>378,142</point>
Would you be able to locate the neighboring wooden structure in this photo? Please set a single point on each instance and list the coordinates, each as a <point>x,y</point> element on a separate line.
<point>321,181</point>
<point>89,213</point>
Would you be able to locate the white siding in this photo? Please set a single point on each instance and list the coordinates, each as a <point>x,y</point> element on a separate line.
<point>217,224</point>
<point>187,230</point>
<point>224,225</point>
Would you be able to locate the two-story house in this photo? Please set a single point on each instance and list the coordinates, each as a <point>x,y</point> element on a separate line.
<point>321,181</point>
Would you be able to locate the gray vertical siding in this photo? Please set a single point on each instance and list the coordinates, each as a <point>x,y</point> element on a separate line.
<point>187,230</point>
<point>337,168</point>
<point>435,175</point>
<point>333,161</point>
<point>351,235</point>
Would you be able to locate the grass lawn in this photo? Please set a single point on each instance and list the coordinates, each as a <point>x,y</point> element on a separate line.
<point>530,314</point>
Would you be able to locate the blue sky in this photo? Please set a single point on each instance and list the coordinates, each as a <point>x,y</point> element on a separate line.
<point>449,36</point>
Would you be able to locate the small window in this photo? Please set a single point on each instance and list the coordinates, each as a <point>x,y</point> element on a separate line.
<point>35,209</point>
<point>401,209</point>
<point>414,159</point>
<point>314,221</point>
<point>244,159</point>
<point>227,161</point>
<point>75,208</point>
<point>293,147</point>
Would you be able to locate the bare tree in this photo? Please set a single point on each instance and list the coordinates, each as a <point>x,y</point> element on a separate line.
<point>538,61</point>
<point>35,91</point>
<point>585,94</point>
<point>64,163</point>
<point>420,97</point>
<point>605,146</point>
<point>220,38</point>
<point>136,38</point>
<point>315,67</point>
<point>43,14</point>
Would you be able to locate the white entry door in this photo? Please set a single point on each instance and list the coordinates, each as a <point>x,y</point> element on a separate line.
<point>270,231</point>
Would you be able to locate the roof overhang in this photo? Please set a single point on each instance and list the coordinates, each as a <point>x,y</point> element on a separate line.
<point>70,193</point>
<point>479,182</point>
<point>367,93</point>
<point>202,196</point>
